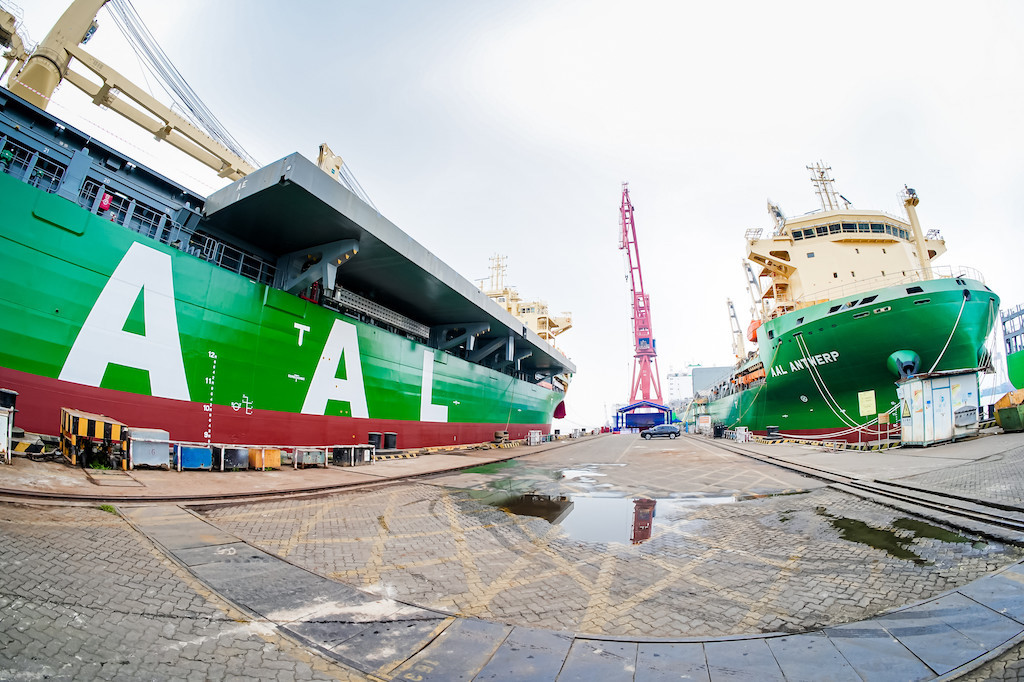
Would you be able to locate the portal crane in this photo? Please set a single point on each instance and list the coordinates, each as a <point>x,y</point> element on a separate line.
<point>645,384</point>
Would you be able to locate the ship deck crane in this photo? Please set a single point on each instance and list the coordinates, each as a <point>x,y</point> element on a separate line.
<point>739,349</point>
<point>645,384</point>
<point>37,75</point>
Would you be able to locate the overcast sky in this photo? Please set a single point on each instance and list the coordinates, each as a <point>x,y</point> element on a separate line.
<point>486,126</point>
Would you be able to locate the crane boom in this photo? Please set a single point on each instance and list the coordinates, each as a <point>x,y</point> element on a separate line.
<point>645,384</point>
<point>50,63</point>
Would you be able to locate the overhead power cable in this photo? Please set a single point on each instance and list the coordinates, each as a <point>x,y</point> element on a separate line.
<point>170,79</point>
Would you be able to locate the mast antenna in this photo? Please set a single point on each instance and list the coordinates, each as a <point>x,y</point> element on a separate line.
<point>824,187</point>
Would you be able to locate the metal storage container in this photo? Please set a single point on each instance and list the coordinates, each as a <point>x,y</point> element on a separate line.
<point>352,455</point>
<point>1011,418</point>
<point>149,447</point>
<point>231,458</point>
<point>310,457</point>
<point>264,458</point>
<point>193,456</point>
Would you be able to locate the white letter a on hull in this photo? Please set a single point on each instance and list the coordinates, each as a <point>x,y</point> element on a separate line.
<point>342,342</point>
<point>103,340</point>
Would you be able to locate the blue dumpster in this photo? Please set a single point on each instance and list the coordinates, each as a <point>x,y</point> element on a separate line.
<point>194,456</point>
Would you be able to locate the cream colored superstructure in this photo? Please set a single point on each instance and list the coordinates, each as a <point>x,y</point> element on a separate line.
<point>534,314</point>
<point>839,252</point>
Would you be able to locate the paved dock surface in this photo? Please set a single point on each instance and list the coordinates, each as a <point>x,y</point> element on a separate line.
<point>165,591</point>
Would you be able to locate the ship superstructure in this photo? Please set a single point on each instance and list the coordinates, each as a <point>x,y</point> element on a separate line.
<point>848,302</point>
<point>837,251</point>
<point>534,314</point>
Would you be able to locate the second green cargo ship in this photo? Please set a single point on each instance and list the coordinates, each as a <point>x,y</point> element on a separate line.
<point>848,302</point>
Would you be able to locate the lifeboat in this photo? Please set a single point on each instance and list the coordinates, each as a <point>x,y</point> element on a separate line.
<point>752,330</point>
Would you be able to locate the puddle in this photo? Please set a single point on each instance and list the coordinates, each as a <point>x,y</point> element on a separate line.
<point>492,468</point>
<point>888,541</point>
<point>623,520</point>
<point>927,530</point>
<point>581,474</point>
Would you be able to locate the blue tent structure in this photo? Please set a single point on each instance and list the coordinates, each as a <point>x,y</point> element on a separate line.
<point>628,418</point>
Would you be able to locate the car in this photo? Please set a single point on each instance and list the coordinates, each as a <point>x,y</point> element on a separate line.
<point>667,430</point>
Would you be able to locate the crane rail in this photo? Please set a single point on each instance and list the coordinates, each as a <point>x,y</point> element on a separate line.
<point>993,519</point>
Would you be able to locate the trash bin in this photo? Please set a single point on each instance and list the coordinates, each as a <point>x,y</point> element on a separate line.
<point>231,458</point>
<point>194,456</point>
<point>149,447</point>
<point>310,457</point>
<point>718,430</point>
<point>8,398</point>
<point>390,440</point>
<point>264,458</point>
<point>1010,418</point>
<point>362,454</point>
<point>374,439</point>
<point>342,456</point>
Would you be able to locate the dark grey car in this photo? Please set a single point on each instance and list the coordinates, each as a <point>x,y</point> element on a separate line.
<point>661,430</point>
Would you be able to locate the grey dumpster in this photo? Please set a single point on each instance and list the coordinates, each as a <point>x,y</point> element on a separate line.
<point>231,458</point>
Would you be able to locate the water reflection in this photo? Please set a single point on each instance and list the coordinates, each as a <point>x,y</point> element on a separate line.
<point>643,519</point>
<point>594,518</point>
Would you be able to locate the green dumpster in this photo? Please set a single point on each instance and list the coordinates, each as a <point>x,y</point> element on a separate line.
<point>1011,418</point>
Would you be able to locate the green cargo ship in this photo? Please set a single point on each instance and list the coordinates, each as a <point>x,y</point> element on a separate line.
<point>281,310</point>
<point>851,303</point>
<point>1013,338</point>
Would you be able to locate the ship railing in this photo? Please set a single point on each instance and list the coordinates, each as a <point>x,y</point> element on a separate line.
<point>46,174</point>
<point>29,166</point>
<point>893,279</point>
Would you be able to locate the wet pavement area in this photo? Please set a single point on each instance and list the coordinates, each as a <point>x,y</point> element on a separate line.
<point>609,558</point>
<point>625,538</point>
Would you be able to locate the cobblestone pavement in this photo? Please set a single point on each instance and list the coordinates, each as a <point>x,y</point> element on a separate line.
<point>1007,668</point>
<point>85,597</point>
<point>783,563</point>
<point>999,478</point>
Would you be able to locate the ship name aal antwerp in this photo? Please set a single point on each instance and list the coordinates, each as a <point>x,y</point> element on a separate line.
<point>847,303</point>
<point>281,309</point>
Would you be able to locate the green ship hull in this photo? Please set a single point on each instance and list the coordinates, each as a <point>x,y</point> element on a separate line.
<point>97,317</point>
<point>831,369</point>
<point>1015,369</point>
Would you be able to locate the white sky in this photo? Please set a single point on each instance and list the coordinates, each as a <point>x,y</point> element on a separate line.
<point>505,126</point>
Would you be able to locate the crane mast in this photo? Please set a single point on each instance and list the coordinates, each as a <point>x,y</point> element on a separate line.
<point>645,384</point>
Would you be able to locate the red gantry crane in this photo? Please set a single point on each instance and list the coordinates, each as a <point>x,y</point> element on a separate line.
<point>646,385</point>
